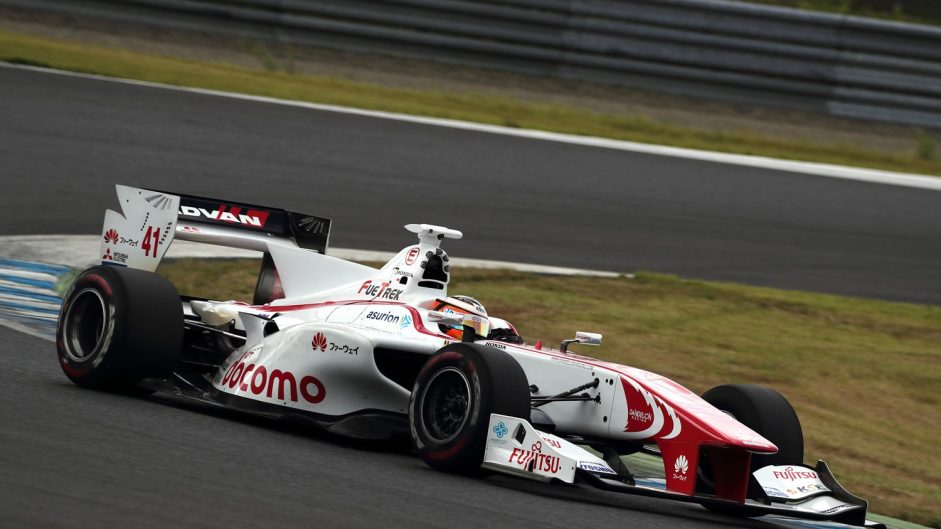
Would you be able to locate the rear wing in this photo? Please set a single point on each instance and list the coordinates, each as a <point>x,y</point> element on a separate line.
<point>140,235</point>
<point>227,223</point>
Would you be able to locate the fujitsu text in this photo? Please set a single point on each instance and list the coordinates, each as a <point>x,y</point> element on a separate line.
<point>541,462</point>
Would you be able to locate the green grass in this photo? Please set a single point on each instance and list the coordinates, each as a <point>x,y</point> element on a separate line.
<point>865,376</point>
<point>275,81</point>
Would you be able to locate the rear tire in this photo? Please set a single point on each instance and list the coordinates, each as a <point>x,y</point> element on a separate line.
<point>768,414</point>
<point>118,326</point>
<point>455,393</point>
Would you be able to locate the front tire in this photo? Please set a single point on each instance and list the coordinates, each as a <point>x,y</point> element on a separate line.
<point>768,414</point>
<point>455,393</point>
<point>118,326</point>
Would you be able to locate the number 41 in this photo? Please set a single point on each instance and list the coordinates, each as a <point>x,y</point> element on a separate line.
<point>151,241</point>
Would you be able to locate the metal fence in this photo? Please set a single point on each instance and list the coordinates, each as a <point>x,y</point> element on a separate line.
<point>738,52</point>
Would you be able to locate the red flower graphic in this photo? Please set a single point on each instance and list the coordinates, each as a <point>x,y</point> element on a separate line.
<point>319,342</point>
<point>111,236</point>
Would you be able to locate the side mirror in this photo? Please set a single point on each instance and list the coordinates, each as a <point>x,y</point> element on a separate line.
<point>588,338</point>
<point>585,338</point>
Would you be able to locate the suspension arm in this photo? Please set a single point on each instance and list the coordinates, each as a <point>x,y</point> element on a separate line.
<point>566,396</point>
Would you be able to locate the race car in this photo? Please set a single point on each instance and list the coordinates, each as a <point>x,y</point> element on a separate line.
<point>383,353</point>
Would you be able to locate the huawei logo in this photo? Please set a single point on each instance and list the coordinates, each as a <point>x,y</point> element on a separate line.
<point>681,465</point>
<point>319,341</point>
<point>111,236</point>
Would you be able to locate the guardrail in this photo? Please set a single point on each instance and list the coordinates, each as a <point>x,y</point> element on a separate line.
<point>841,65</point>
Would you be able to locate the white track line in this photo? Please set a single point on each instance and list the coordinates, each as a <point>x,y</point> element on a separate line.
<point>26,329</point>
<point>809,168</point>
<point>26,305</point>
<point>82,251</point>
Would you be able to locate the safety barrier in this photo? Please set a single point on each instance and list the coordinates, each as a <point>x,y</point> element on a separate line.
<point>841,65</point>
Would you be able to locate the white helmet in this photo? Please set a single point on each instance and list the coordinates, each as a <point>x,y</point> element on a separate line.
<point>475,316</point>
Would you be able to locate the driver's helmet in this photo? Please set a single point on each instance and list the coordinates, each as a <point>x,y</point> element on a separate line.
<point>476,316</point>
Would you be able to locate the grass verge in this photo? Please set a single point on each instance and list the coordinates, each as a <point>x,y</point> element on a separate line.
<point>478,107</point>
<point>865,376</point>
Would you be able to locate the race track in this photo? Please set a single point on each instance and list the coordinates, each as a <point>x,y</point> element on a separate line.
<point>75,458</point>
<point>67,141</point>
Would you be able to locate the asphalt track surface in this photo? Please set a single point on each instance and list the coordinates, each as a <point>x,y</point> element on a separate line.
<point>76,458</point>
<point>67,141</point>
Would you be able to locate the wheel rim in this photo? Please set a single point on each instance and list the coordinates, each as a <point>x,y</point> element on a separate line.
<point>84,325</point>
<point>445,405</point>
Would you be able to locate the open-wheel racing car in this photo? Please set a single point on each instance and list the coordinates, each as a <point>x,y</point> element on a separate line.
<point>375,354</point>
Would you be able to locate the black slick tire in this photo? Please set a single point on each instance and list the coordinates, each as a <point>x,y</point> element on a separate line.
<point>768,414</point>
<point>118,326</point>
<point>454,394</point>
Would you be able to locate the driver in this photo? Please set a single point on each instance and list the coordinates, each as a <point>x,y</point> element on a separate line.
<point>474,311</point>
<point>491,328</point>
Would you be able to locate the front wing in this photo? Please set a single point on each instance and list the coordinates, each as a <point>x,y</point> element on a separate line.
<point>515,447</point>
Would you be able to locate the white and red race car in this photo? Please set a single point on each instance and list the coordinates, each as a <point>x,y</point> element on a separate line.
<point>378,353</point>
